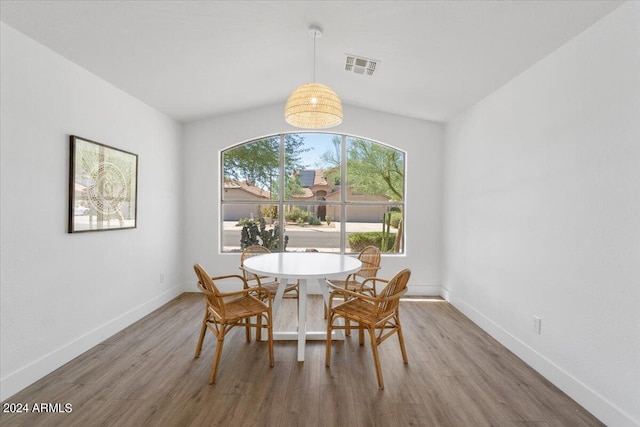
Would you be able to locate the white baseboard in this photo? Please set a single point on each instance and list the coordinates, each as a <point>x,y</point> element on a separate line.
<point>593,402</point>
<point>190,287</point>
<point>424,290</point>
<point>20,379</point>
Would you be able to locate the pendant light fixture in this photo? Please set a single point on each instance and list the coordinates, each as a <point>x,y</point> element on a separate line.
<point>313,105</point>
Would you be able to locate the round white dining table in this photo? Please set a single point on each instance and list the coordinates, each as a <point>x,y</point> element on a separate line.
<point>305,267</point>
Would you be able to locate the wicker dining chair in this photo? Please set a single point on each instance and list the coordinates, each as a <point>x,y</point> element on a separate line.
<point>226,310</point>
<point>379,315</point>
<point>269,283</point>
<point>370,258</point>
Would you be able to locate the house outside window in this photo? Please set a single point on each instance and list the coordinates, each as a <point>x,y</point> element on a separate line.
<point>295,192</point>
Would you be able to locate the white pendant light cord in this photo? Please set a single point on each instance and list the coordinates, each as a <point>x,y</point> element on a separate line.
<point>316,33</point>
<point>315,36</point>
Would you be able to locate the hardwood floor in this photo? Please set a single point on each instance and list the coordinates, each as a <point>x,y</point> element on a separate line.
<point>146,375</point>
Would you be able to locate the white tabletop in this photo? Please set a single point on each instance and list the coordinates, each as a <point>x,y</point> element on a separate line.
<point>307,265</point>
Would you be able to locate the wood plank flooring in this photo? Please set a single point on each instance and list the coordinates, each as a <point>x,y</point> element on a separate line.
<point>146,375</point>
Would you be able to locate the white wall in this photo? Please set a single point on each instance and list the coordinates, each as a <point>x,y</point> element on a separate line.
<point>63,293</point>
<point>420,139</point>
<point>542,216</point>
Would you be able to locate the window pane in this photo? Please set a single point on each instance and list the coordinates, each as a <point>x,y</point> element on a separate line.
<point>375,172</point>
<point>312,166</point>
<point>312,200</point>
<point>305,231</point>
<point>238,216</point>
<point>377,225</point>
<point>252,170</point>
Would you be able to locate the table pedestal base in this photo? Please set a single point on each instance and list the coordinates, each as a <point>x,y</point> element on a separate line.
<point>304,267</point>
<point>302,335</point>
<point>310,336</point>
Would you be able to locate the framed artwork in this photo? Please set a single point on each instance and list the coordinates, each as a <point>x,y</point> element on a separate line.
<point>103,187</point>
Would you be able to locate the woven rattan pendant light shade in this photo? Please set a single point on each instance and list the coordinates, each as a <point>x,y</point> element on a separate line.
<point>313,105</point>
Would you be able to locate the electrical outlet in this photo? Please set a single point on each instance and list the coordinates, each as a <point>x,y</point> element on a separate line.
<point>537,324</point>
<point>161,277</point>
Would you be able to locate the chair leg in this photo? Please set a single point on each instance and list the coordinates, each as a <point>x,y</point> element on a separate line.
<point>376,357</point>
<point>203,330</point>
<point>216,361</point>
<point>258,327</point>
<point>360,335</point>
<point>270,336</point>
<point>247,329</point>
<point>329,332</point>
<point>401,339</point>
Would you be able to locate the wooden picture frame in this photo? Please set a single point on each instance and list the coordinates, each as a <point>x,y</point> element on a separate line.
<point>103,187</point>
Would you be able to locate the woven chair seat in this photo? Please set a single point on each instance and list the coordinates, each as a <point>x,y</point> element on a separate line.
<point>357,310</point>
<point>242,307</point>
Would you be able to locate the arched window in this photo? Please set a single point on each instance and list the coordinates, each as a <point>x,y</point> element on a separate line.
<point>326,204</point>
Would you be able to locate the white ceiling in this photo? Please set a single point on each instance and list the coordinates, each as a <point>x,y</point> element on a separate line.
<point>193,59</point>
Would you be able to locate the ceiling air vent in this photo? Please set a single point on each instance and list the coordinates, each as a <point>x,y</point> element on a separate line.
<point>360,65</point>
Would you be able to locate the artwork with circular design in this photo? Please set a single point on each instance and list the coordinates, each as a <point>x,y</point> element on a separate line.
<point>102,187</point>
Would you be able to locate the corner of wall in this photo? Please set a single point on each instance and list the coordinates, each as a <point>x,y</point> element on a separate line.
<point>601,407</point>
<point>46,364</point>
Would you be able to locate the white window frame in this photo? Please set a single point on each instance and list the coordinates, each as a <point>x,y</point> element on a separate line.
<point>282,202</point>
